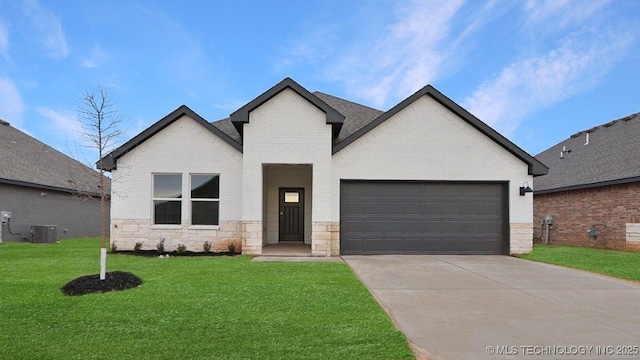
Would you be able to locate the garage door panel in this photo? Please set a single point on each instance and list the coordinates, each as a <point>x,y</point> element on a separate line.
<point>450,208</point>
<point>451,190</point>
<point>450,227</point>
<point>414,189</point>
<point>374,208</point>
<point>413,217</point>
<point>352,189</point>
<point>413,227</point>
<point>392,245</point>
<point>432,227</point>
<point>354,207</point>
<point>469,227</point>
<point>489,227</point>
<point>393,190</point>
<point>372,227</point>
<point>430,207</point>
<point>375,189</point>
<point>352,226</point>
<point>413,208</point>
<point>391,226</point>
<point>470,208</point>
<point>373,245</point>
<point>489,207</point>
<point>393,208</point>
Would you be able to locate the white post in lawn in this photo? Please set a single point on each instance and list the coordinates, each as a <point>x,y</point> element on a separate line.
<point>103,263</point>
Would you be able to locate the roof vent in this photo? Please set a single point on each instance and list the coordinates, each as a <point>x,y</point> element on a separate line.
<point>592,129</point>
<point>576,135</point>
<point>632,116</point>
<point>5,123</point>
<point>610,123</point>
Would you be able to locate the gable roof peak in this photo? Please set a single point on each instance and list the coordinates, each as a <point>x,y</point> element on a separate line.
<point>241,116</point>
<point>109,161</point>
<point>535,167</point>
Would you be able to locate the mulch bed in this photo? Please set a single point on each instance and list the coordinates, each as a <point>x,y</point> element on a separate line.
<point>114,281</point>
<point>155,253</point>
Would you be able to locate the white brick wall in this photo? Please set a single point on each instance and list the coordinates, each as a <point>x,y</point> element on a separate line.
<point>425,141</point>
<point>287,129</point>
<point>183,147</point>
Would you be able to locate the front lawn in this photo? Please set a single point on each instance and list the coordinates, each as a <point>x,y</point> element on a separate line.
<point>187,308</point>
<point>621,264</point>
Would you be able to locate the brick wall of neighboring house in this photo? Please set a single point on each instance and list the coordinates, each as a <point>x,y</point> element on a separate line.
<point>575,211</point>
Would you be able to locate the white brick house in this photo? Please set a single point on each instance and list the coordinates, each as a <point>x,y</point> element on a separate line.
<point>294,166</point>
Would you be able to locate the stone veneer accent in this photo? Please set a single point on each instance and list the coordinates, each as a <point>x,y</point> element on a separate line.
<point>520,238</point>
<point>633,236</point>
<point>127,232</point>
<point>252,233</point>
<point>325,238</point>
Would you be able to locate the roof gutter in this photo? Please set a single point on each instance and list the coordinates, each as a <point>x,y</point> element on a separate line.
<point>47,187</point>
<point>588,186</point>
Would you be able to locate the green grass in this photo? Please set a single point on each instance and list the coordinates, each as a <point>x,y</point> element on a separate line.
<point>187,308</point>
<point>620,264</point>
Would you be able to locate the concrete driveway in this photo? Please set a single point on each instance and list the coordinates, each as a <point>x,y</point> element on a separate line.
<point>500,307</point>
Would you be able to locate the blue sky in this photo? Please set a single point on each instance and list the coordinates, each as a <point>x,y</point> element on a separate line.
<point>536,71</point>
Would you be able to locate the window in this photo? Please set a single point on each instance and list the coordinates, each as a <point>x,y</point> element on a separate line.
<point>205,199</point>
<point>167,199</point>
<point>291,197</point>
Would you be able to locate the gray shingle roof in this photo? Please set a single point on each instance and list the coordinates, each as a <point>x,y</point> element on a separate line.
<point>226,126</point>
<point>611,156</point>
<point>356,116</point>
<point>26,161</point>
<point>349,122</point>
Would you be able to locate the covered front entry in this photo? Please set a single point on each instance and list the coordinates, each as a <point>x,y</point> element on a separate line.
<point>418,217</point>
<point>287,203</point>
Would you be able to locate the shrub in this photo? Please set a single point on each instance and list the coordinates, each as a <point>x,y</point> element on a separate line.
<point>206,246</point>
<point>232,248</point>
<point>138,246</point>
<point>182,248</point>
<point>114,246</point>
<point>160,246</point>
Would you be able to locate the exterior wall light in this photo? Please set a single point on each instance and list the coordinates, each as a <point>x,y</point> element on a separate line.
<point>525,188</point>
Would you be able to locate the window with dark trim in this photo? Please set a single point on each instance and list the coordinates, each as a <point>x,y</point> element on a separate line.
<point>205,199</point>
<point>167,199</point>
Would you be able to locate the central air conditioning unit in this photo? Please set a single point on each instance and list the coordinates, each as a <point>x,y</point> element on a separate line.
<point>44,234</point>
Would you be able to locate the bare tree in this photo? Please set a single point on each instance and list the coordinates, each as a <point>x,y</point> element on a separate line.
<point>100,128</point>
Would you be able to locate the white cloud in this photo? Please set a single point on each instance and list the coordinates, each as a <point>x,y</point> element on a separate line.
<point>66,134</point>
<point>11,105</point>
<point>409,55</point>
<point>95,59</point>
<point>578,64</point>
<point>561,13</point>
<point>48,29</point>
<point>4,41</point>
<point>62,122</point>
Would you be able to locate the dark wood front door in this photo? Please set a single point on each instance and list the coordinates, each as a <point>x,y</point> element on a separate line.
<point>291,214</point>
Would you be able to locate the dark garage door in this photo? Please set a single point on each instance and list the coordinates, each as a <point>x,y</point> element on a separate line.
<point>410,217</point>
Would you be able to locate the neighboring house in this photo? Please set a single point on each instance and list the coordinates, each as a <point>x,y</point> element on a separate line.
<point>593,187</point>
<point>41,186</point>
<point>425,177</point>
